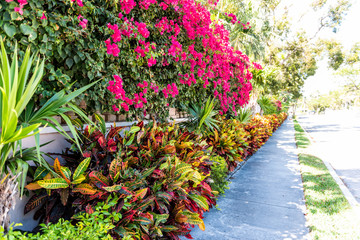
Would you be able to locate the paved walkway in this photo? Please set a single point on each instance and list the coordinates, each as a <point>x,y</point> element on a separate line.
<point>265,200</point>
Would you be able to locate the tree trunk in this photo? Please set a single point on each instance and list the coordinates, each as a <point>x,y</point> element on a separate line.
<point>8,192</point>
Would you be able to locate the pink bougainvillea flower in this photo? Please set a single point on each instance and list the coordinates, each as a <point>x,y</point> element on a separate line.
<point>19,9</point>
<point>83,23</point>
<point>151,61</point>
<point>43,16</point>
<point>79,2</point>
<point>116,109</point>
<point>125,106</point>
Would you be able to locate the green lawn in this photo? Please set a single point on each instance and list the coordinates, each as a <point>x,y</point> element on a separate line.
<point>329,215</point>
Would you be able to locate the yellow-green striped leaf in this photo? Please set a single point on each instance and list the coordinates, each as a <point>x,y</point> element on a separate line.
<point>53,183</point>
<point>200,201</point>
<point>183,168</point>
<point>81,168</point>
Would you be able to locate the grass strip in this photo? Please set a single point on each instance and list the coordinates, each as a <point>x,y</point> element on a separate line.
<point>329,215</point>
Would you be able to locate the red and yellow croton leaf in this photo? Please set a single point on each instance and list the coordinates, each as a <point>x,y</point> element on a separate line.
<point>85,189</point>
<point>62,171</point>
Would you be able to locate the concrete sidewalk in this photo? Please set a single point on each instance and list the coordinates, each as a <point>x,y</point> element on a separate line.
<point>265,199</point>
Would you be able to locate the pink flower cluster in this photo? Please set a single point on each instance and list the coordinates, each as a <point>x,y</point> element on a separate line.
<point>208,60</point>
<point>141,27</point>
<point>127,5</point>
<point>171,89</point>
<point>146,3</point>
<point>278,104</point>
<point>257,66</point>
<point>79,2</point>
<point>19,9</point>
<point>233,17</point>
<point>83,21</point>
<point>139,99</point>
<point>217,65</point>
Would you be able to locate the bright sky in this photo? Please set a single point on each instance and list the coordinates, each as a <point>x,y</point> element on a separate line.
<point>304,17</point>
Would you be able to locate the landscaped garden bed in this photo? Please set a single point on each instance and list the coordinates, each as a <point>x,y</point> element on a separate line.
<point>137,60</point>
<point>159,179</point>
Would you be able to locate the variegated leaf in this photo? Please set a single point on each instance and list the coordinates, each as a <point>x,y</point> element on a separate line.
<point>85,189</point>
<point>53,183</point>
<point>35,201</point>
<point>40,173</point>
<point>183,168</point>
<point>200,201</point>
<point>81,168</point>
<point>79,180</point>
<point>147,172</point>
<point>98,179</point>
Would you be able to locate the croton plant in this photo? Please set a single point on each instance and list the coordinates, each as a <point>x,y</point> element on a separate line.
<point>162,168</point>
<point>162,172</point>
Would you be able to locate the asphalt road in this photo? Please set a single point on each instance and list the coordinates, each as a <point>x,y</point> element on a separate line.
<point>337,138</point>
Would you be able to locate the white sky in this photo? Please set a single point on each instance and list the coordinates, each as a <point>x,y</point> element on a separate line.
<point>303,16</point>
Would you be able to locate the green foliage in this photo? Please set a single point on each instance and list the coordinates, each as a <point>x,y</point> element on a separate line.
<point>202,117</point>
<point>218,175</point>
<point>253,40</point>
<point>19,116</point>
<point>16,92</point>
<point>161,168</point>
<point>75,57</point>
<point>266,105</point>
<point>87,226</point>
<point>295,60</point>
<point>244,115</point>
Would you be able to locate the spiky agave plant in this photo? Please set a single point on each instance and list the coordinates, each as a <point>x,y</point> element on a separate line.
<point>201,117</point>
<point>244,115</point>
<point>8,192</point>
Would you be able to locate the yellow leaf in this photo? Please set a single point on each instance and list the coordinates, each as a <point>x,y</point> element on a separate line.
<point>202,226</point>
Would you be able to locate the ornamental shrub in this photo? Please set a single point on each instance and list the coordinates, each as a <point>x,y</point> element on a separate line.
<point>160,168</point>
<point>149,54</point>
<point>85,226</point>
<point>219,171</point>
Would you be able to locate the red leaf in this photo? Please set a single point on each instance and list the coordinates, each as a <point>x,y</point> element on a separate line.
<point>188,236</point>
<point>101,141</point>
<point>87,154</point>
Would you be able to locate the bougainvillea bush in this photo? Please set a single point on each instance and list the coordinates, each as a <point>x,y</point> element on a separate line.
<point>150,54</point>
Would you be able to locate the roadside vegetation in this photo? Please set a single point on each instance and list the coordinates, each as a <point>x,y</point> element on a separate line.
<point>329,215</point>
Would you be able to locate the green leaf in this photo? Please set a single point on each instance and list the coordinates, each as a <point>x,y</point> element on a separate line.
<point>79,179</point>
<point>183,168</point>
<point>69,62</point>
<point>81,168</point>
<point>147,172</point>
<point>40,173</point>
<point>134,129</point>
<point>26,29</point>
<point>10,30</point>
<point>168,228</point>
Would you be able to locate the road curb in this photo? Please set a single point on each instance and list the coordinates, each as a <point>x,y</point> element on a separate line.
<point>345,190</point>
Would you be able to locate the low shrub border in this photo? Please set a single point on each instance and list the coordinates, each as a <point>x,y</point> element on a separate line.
<point>164,177</point>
